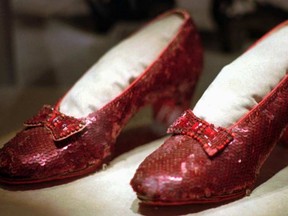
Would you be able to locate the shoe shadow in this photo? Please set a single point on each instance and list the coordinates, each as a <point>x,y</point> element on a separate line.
<point>176,210</point>
<point>127,140</point>
<point>277,161</point>
<point>135,137</point>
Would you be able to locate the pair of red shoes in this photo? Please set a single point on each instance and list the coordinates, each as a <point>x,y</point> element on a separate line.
<point>159,66</point>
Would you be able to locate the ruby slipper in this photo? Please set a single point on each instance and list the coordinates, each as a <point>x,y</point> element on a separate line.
<point>158,65</point>
<point>216,151</point>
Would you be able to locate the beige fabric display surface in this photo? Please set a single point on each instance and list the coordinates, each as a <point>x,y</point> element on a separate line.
<point>108,193</point>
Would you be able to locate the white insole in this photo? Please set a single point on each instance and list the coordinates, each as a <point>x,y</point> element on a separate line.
<point>244,83</point>
<point>115,70</point>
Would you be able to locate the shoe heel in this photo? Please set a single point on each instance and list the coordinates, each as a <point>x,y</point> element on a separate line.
<point>284,138</point>
<point>167,109</point>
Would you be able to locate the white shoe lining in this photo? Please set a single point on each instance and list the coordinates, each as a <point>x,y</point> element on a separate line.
<point>242,84</point>
<point>117,68</point>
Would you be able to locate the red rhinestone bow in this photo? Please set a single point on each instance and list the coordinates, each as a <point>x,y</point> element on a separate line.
<point>60,125</point>
<point>213,139</point>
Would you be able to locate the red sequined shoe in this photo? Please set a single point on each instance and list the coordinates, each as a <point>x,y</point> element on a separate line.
<point>158,65</point>
<point>216,151</point>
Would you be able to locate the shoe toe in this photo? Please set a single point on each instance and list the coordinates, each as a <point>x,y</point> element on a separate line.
<point>5,161</point>
<point>177,172</point>
<point>27,156</point>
